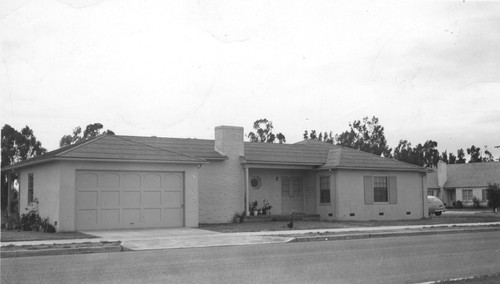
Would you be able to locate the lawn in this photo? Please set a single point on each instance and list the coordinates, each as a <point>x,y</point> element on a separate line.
<point>446,218</point>
<point>16,236</point>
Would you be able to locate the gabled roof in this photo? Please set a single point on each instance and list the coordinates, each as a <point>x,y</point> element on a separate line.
<point>321,155</point>
<point>308,153</point>
<point>112,147</point>
<point>472,174</point>
<point>299,154</point>
<point>342,157</point>
<point>201,148</point>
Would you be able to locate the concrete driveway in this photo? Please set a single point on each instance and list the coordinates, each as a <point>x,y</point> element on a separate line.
<point>151,239</point>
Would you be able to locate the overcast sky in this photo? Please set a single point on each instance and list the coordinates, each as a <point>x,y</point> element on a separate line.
<point>427,70</point>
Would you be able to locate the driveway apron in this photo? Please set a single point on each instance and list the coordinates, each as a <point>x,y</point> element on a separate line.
<point>151,239</point>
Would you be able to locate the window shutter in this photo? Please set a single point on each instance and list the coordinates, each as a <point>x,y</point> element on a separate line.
<point>393,190</point>
<point>368,190</point>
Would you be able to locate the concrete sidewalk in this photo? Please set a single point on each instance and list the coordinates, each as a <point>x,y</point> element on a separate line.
<point>153,239</point>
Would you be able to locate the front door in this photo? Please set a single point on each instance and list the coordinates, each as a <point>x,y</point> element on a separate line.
<point>292,189</point>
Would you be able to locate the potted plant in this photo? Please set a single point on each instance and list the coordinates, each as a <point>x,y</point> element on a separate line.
<point>252,207</point>
<point>266,208</point>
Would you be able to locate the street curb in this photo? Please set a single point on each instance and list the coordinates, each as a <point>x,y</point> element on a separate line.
<point>61,251</point>
<point>332,237</point>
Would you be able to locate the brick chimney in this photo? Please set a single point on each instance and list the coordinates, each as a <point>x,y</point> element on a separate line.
<point>229,141</point>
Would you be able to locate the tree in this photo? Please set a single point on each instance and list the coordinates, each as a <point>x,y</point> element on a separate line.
<point>425,155</point>
<point>91,131</point>
<point>460,156</point>
<point>452,159</point>
<point>493,196</point>
<point>430,153</point>
<point>16,147</point>
<point>367,135</point>
<point>488,157</point>
<point>323,136</point>
<point>264,132</point>
<point>475,154</point>
<point>404,152</point>
<point>444,157</point>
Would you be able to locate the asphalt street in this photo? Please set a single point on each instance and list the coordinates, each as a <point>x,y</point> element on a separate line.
<point>411,259</point>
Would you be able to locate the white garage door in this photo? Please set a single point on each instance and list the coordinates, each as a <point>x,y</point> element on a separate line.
<point>121,200</point>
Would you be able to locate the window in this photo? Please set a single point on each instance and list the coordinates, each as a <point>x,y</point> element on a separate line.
<point>430,192</point>
<point>380,189</point>
<point>484,195</point>
<point>30,188</point>
<point>467,194</point>
<point>324,189</point>
<point>380,192</point>
<point>255,182</point>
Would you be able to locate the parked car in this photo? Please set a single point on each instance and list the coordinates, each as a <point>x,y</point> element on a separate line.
<point>436,206</point>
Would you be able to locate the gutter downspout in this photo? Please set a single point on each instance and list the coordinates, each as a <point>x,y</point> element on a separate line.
<point>424,196</point>
<point>247,209</point>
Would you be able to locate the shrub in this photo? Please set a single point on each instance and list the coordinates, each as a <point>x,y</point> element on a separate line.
<point>459,204</point>
<point>476,202</point>
<point>493,195</point>
<point>33,222</point>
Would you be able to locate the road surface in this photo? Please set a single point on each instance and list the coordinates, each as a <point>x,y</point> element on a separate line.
<point>384,260</point>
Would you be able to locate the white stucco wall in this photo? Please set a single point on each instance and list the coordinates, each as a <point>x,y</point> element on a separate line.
<point>55,187</point>
<point>347,193</point>
<point>45,189</point>
<point>476,192</point>
<point>271,188</point>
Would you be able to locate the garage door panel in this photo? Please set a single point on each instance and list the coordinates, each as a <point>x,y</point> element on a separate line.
<point>130,180</point>
<point>110,217</point>
<point>117,200</point>
<point>173,216</point>
<point>172,199</point>
<point>152,181</point>
<point>131,216</point>
<point>86,200</point>
<point>108,180</point>
<point>131,199</point>
<point>173,182</point>
<point>86,181</point>
<point>152,216</point>
<point>87,219</point>
<point>110,199</point>
<point>151,199</point>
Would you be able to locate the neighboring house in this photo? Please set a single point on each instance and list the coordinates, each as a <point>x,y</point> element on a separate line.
<point>463,182</point>
<point>115,182</point>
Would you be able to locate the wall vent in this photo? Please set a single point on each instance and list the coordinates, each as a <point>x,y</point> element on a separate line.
<point>381,214</point>
<point>352,214</point>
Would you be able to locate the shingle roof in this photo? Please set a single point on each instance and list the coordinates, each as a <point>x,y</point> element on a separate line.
<point>309,153</point>
<point>306,154</point>
<point>472,174</point>
<point>201,148</point>
<point>321,154</point>
<point>113,147</point>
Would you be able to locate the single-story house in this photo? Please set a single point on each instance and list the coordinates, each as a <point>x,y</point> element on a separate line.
<point>115,182</point>
<point>463,182</point>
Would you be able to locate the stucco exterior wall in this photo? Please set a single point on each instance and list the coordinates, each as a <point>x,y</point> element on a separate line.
<point>55,188</point>
<point>476,192</point>
<point>270,189</point>
<point>327,211</point>
<point>45,190</point>
<point>347,194</point>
